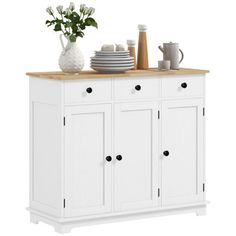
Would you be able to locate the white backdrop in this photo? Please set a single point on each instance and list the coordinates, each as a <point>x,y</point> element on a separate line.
<point>205,30</point>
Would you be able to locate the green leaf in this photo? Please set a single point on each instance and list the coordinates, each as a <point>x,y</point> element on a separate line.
<point>65,16</point>
<point>90,22</point>
<point>70,17</point>
<point>72,38</point>
<point>49,23</point>
<point>80,34</point>
<point>57,27</point>
<point>68,24</point>
<point>82,26</point>
<point>74,28</point>
<point>76,15</point>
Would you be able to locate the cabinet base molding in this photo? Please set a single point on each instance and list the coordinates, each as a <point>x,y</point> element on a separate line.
<point>64,225</point>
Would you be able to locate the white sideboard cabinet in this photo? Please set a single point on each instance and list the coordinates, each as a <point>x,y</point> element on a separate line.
<point>110,147</point>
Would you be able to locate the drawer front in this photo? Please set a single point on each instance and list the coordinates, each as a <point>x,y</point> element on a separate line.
<point>136,88</point>
<point>184,86</point>
<point>87,90</point>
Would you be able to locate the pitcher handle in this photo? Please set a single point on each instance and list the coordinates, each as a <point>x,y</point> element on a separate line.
<point>182,55</point>
<point>62,44</point>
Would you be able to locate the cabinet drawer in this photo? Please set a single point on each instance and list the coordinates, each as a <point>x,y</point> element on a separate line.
<point>132,88</point>
<point>87,90</point>
<point>183,86</point>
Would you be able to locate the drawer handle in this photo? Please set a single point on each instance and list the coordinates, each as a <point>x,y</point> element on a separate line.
<point>184,85</point>
<point>108,158</point>
<point>119,157</point>
<point>89,90</point>
<point>138,87</point>
<point>166,153</point>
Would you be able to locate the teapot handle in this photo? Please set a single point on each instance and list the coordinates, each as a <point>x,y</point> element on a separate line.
<point>182,55</point>
<point>161,49</point>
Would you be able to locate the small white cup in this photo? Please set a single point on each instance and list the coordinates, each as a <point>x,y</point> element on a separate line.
<point>164,65</point>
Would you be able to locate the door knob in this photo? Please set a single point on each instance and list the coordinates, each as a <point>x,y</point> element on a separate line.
<point>108,158</point>
<point>119,157</point>
<point>184,85</point>
<point>166,153</point>
<point>138,87</point>
<point>89,90</point>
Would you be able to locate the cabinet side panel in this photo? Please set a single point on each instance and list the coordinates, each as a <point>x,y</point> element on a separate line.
<point>46,185</point>
<point>45,154</point>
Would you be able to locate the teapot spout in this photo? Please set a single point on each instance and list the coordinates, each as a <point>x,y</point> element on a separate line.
<point>161,49</point>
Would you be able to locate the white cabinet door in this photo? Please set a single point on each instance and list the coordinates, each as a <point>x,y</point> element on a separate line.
<point>87,172</point>
<point>136,156</point>
<point>182,151</point>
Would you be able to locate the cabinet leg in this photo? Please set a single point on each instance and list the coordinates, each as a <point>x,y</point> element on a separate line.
<point>62,229</point>
<point>201,211</point>
<point>33,219</point>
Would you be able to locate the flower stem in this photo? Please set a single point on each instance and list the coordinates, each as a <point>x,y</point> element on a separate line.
<point>63,25</point>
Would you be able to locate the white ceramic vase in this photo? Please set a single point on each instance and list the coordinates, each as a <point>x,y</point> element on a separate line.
<point>71,59</point>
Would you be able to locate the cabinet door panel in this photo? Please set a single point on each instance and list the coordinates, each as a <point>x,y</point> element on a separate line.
<point>88,174</point>
<point>136,181</point>
<point>182,136</point>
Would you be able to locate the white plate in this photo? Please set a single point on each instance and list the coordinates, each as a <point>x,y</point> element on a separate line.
<point>115,56</point>
<point>112,52</point>
<point>111,55</point>
<point>117,69</point>
<point>111,62</point>
<point>112,59</point>
<point>112,65</point>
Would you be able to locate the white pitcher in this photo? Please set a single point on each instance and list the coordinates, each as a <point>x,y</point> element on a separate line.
<point>171,53</point>
<point>71,59</point>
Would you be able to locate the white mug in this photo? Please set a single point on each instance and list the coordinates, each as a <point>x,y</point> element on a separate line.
<point>164,65</point>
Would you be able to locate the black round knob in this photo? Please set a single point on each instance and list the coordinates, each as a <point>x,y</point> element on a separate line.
<point>89,90</point>
<point>184,85</point>
<point>166,153</point>
<point>108,158</point>
<point>119,157</point>
<point>138,87</point>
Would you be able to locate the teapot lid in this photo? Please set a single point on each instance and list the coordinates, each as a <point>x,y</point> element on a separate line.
<point>171,43</point>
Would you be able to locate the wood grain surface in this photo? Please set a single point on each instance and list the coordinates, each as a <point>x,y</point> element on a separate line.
<point>90,74</point>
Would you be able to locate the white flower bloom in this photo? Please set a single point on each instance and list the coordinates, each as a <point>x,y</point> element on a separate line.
<point>86,9</point>
<point>72,6</point>
<point>91,10</point>
<point>60,9</point>
<point>67,11</point>
<point>82,7</point>
<point>49,10</point>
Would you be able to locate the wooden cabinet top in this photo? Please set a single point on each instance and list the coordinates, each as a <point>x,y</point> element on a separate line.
<point>90,74</point>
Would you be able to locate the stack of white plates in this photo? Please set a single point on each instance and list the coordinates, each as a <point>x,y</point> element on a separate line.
<point>110,62</point>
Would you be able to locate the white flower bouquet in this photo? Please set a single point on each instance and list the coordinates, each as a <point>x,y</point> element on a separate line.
<point>70,22</point>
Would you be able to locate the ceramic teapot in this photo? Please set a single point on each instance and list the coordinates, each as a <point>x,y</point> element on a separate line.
<point>171,53</point>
